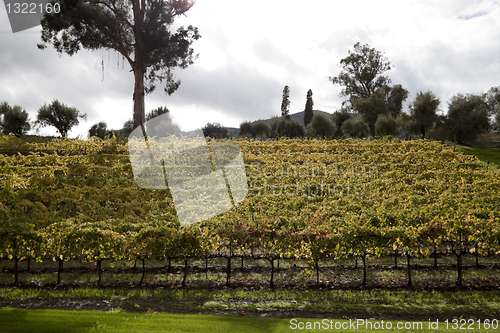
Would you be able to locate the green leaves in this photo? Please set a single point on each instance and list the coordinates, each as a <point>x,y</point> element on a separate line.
<point>76,199</point>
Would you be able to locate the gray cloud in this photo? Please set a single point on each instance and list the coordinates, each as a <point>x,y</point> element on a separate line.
<point>232,90</point>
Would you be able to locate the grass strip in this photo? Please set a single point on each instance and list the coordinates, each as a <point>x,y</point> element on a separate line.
<point>65,321</point>
<point>383,303</point>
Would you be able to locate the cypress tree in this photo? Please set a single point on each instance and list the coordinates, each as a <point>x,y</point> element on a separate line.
<point>308,112</point>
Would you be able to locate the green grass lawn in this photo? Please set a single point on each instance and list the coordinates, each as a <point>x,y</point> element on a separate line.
<point>491,155</point>
<point>67,321</point>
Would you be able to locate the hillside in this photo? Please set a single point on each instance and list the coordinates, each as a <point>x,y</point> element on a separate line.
<point>299,117</point>
<point>308,200</point>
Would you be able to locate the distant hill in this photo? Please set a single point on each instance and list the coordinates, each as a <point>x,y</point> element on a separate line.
<point>299,117</point>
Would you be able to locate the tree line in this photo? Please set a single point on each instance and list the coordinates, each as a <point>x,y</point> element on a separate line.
<point>14,120</point>
<point>374,107</point>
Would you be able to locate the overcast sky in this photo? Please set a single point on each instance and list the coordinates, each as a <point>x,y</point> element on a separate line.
<point>251,49</point>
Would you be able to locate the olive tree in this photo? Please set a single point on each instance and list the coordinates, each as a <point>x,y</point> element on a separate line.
<point>14,120</point>
<point>59,115</point>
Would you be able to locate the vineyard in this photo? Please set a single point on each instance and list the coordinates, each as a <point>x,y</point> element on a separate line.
<point>310,202</point>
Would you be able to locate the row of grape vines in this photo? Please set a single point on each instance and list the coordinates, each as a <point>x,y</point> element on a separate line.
<point>308,200</point>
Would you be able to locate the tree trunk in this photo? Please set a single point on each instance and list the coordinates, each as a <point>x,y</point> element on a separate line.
<point>228,273</point>
<point>317,272</point>
<point>271,284</point>
<point>477,256</point>
<point>29,263</point>
<point>206,268</point>
<point>138,65</point>
<point>435,257</point>
<point>459,261</point>
<point>16,271</point>
<point>139,104</point>
<point>228,276</point>
<point>143,270</point>
<point>99,272</point>
<point>409,268</point>
<point>363,257</point>
<point>59,270</point>
<point>185,273</point>
<point>396,258</point>
<point>459,268</point>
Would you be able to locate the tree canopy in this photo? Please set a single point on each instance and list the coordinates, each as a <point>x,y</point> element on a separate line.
<point>308,111</point>
<point>137,29</point>
<point>321,126</point>
<point>355,127</point>
<point>61,116</point>
<point>285,102</point>
<point>215,131</point>
<point>99,130</point>
<point>259,127</point>
<point>386,124</point>
<point>14,120</point>
<point>286,127</point>
<point>361,73</point>
<point>423,111</point>
<point>467,117</point>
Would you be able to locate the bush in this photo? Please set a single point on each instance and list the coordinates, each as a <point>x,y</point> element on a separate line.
<point>99,130</point>
<point>283,127</point>
<point>355,127</point>
<point>254,129</point>
<point>321,126</point>
<point>338,118</point>
<point>386,125</point>
<point>15,120</point>
<point>246,129</point>
<point>467,117</point>
<point>215,131</point>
